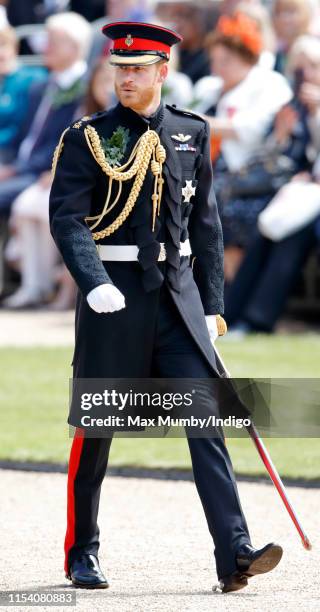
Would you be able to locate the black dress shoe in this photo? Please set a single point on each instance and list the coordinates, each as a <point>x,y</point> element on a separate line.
<point>250,562</point>
<point>85,573</point>
<point>232,582</point>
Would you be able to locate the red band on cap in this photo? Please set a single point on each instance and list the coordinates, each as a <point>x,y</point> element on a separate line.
<point>140,44</point>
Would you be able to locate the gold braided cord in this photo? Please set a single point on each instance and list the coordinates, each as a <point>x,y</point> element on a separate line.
<point>94,144</point>
<point>147,149</point>
<point>105,208</point>
<point>57,153</point>
<point>136,188</point>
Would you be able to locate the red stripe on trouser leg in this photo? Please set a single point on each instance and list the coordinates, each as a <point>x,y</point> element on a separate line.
<point>74,461</point>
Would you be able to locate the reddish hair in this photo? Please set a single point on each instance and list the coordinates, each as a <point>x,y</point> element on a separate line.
<point>238,33</point>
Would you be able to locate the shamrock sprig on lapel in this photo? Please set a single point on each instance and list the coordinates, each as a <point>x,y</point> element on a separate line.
<point>114,147</point>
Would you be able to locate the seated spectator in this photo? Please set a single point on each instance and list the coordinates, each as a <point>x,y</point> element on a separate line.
<point>24,13</point>
<point>245,195</point>
<point>32,11</point>
<point>3,17</point>
<point>257,297</point>
<point>178,87</point>
<point>188,19</point>
<point>227,95</point>
<point>52,108</point>
<point>240,103</point>
<point>291,19</point>
<point>261,16</point>
<point>133,10</point>
<point>100,92</point>
<point>126,10</point>
<point>303,66</point>
<point>31,247</point>
<point>90,10</point>
<point>15,81</point>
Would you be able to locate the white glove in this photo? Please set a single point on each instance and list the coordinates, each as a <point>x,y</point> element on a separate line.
<point>106,298</point>
<point>211,322</point>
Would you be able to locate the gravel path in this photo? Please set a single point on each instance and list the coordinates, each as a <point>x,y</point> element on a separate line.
<point>45,328</point>
<point>36,328</point>
<point>155,547</point>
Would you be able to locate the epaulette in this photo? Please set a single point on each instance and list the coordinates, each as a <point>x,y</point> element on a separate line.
<point>88,118</point>
<point>185,113</point>
<point>80,123</point>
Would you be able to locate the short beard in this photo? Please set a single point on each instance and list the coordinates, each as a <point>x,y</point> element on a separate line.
<point>142,99</point>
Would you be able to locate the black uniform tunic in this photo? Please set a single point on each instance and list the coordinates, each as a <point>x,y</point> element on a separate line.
<point>79,190</point>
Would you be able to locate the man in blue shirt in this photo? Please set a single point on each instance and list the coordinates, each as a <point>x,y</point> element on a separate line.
<point>51,108</point>
<point>15,82</point>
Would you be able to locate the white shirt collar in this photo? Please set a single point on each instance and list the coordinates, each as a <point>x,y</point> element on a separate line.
<point>66,78</point>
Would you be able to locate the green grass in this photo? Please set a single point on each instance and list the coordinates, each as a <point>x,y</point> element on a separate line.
<point>295,356</point>
<point>34,401</point>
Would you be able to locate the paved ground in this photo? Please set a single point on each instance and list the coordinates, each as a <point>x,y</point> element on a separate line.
<point>155,548</point>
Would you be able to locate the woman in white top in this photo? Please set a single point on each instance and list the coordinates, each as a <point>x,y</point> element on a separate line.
<point>240,102</point>
<point>289,227</point>
<point>246,96</point>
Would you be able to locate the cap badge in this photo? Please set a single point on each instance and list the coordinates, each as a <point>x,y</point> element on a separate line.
<point>129,40</point>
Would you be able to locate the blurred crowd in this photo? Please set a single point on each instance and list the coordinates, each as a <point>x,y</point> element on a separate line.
<point>251,67</point>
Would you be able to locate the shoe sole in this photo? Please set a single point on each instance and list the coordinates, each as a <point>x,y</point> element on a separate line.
<point>78,585</point>
<point>233,582</point>
<point>266,563</point>
<point>101,585</point>
<point>237,585</point>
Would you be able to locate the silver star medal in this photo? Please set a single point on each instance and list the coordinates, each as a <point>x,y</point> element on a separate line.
<point>188,191</point>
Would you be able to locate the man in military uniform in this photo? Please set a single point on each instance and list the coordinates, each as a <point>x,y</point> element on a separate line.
<point>133,213</point>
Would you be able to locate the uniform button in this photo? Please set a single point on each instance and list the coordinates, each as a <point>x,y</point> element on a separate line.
<point>187,210</point>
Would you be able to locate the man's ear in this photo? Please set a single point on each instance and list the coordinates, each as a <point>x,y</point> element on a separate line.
<point>163,71</point>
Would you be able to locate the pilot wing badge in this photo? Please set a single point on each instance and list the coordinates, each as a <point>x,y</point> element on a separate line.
<point>181,137</point>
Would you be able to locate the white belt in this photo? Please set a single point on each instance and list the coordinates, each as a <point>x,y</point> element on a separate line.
<point>129,252</point>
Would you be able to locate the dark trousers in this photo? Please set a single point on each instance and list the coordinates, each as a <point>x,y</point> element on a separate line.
<point>175,356</point>
<point>267,275</point>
